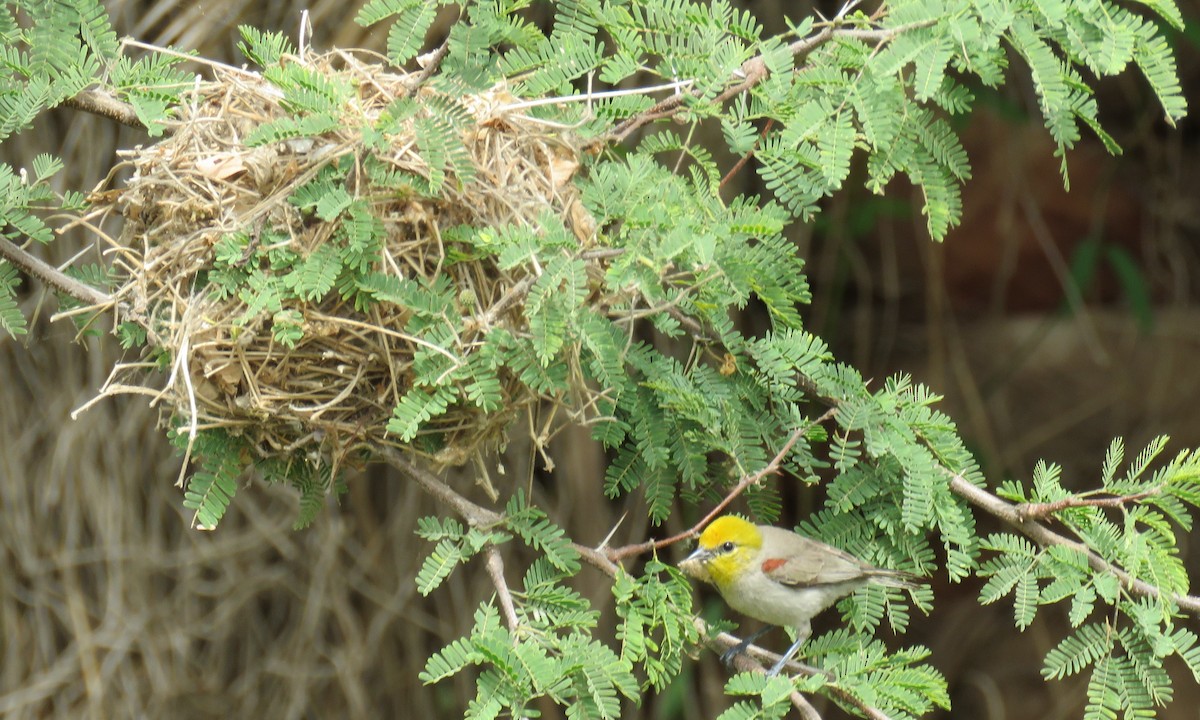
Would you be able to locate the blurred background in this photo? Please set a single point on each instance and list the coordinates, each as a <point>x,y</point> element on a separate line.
<point>1050,321</point>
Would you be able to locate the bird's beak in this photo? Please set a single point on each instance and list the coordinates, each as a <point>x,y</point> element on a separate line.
<point>695,565</point>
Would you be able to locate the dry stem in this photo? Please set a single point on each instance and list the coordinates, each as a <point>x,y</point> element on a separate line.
<point>52,276</point>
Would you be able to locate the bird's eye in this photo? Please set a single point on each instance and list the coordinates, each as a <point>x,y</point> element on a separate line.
<point>727,547</point>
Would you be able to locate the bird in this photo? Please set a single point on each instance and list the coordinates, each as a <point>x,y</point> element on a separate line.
<point>779,577</point>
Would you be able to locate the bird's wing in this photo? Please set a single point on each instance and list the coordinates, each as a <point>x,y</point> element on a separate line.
<point>815,563</point>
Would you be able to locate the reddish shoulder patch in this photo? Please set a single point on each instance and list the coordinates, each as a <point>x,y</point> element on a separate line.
<point>772,564</point>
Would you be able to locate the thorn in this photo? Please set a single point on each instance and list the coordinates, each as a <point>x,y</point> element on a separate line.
<point>604,543</point>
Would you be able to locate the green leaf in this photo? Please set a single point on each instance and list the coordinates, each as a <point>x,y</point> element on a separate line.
<point>438,565</point>
<point>264,48</point>
<point>416,407</point>
<point>11,317</point>
<point>450,660</point>
<point>538,532</point>
<point>407,34</point>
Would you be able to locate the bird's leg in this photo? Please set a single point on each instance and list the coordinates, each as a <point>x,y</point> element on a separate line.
<point>728,656</point>
<point>801,635</point>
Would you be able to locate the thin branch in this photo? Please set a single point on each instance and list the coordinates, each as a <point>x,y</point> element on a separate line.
<point>495,567</point>
<point>733,171</point>
<point>618,554</point>
<point>753,72</point>
<point>514,295</point>
<point>188,57</point>
<point>756,659</point>
<point>94,300</point>
<point>849,698</point>
<point>597,559</point>
<point>804,707</point>
<point>631,316</point>
<point>689,323</point>
<point>431,62</point>
<point>596,95</point>
<point>1043,535</point>
<point>602,253</point>
<point>475,515</point>
<point>1040,511</point>
<point>52,276</point>
<point>182,365</point>
<point>103,103</point>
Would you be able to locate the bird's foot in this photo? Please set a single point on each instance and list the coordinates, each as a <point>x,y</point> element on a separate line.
<point>728,656</point>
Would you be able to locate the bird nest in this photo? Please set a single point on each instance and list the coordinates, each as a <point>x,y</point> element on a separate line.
<point>329,384</point>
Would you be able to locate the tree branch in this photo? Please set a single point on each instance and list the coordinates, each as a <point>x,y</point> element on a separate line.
<point>1043,535</point>
<point>753,72</point>
<point>847,697</point>
<point>1040,511</point>
<point>804,707</point>
<point>475,515</point>
<point>52,276</point>
<point>495,567</point>
<point>737,167</point>
<point>103,103</point>
<point>756,659</point>
<point>430,63</point>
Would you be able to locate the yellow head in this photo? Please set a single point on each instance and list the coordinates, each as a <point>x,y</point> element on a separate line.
<point>727,546</point>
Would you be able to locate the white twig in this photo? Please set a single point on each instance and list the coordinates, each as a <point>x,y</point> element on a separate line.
<point>130,42</point>
<point>181,361</point>
<point>305,37</point>
<point>846,9</point>
<point>590,96</point>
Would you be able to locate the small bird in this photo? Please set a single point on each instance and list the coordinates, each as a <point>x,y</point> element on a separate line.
<point>779,577</point>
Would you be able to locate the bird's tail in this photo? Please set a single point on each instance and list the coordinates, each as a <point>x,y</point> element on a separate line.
<point>895,578</point>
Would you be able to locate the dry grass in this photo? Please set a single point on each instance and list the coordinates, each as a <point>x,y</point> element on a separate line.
<point>110,607</point>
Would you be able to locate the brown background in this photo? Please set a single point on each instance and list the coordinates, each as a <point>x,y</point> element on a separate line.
<point>110,607</point>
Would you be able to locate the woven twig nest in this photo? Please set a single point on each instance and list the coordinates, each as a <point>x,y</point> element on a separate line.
<point>334,389</point>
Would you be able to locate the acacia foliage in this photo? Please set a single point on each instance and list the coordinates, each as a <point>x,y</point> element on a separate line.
<point>881,86</point>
